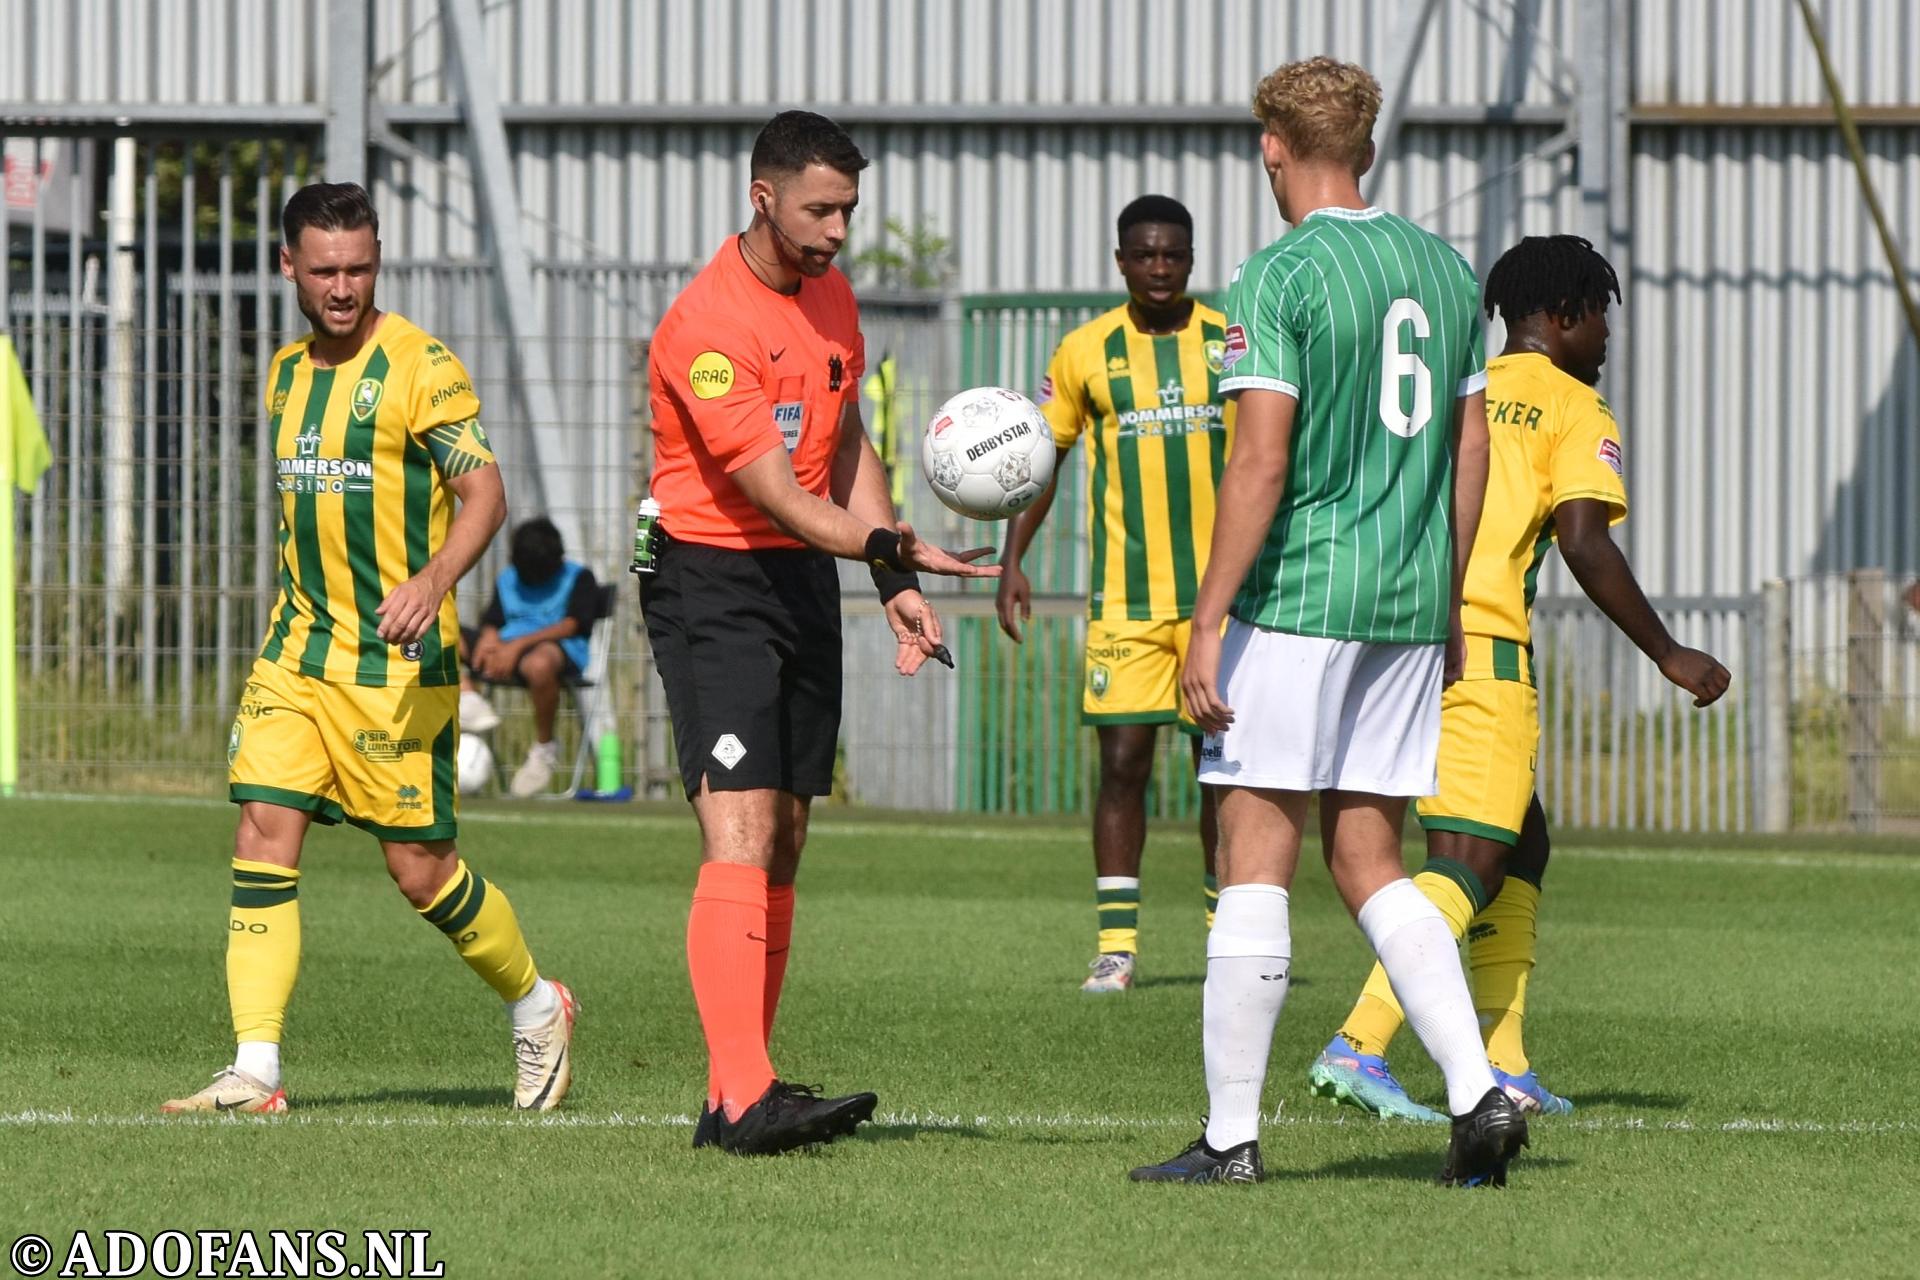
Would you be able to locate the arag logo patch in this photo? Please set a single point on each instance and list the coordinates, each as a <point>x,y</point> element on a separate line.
<point>366,399</point>
<point>710,375</point>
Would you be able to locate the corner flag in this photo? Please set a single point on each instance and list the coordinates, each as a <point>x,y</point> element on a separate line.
<point>24,458</point>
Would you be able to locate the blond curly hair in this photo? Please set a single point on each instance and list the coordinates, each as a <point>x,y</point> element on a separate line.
<point>1321,108</point>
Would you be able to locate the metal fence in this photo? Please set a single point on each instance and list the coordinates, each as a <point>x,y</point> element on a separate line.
<point>147,558</point>
<point>1852,654</point>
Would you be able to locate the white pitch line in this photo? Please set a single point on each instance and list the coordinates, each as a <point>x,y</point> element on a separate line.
<point>614,821</point>
<point>937,1121</point>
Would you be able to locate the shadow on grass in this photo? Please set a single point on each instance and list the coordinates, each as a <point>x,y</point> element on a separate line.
<point>1403,1166</point>
<point>490,1099</point>
<point>1633,1099</point>
<point>913,1132</point>
<point>1198,979</point>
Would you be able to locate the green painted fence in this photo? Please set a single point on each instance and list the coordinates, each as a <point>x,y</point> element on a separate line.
<point>1022,748</point>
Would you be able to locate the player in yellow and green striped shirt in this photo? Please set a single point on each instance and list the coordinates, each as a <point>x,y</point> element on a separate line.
<point>350,710</point>
<point>1142,384</point>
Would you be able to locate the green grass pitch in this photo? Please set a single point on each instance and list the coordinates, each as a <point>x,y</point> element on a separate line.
<point>1737,1022</point>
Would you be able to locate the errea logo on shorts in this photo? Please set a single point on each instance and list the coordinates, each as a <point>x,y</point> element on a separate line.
<point>728,750</point>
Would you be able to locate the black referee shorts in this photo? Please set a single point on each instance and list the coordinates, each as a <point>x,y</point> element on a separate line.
<point>748,646</point>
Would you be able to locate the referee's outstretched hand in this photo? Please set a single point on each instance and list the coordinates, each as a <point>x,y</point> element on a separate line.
<point>917,627</point>
<point>928,558</point>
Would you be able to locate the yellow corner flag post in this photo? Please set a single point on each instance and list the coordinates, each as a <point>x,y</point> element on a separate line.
<point>883,388</point>
<point>24,457</point>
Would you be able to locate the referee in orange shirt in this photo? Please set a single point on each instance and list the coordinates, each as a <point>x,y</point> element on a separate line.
<point>764,474</point>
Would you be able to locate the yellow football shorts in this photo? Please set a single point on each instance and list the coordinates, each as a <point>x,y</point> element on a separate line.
<point>1489,743</point>
<point>382,759</point>
<point>1133,673</point>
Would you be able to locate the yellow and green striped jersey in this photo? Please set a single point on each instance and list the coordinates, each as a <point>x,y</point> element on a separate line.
<point>1158,431</point>
<point>361,453</point>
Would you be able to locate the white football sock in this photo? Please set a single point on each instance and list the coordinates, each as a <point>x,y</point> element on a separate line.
<point>1249,956</point>
<point>259,1059</point>
<point>536,1008</point>
<point>1422,961</point>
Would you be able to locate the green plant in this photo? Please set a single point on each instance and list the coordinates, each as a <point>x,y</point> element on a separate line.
<point>907,257</point>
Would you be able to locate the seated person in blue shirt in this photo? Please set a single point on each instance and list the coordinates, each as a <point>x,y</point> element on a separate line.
<point>535,628</point>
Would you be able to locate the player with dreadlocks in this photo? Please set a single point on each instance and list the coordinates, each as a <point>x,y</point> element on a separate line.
<point>1556,474</point>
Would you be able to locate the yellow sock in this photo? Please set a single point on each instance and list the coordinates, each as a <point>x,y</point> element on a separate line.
<point>1212,891</point>
<point>1377,1016</point>
<point>480,921</point>
<point>1505,938</point>
<point>1118,902</point>
<point>263,948</point>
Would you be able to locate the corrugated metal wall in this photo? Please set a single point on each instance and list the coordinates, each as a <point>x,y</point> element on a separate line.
<point>1776,392</point>
<point>1771,395</point>
<point>1127,53</point>
<point>1122,52</point>
<point>1755,52</point>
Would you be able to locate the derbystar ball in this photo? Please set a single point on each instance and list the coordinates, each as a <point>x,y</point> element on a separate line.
<point>987,453</point>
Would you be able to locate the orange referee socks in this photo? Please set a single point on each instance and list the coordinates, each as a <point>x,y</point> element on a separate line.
<point>779,940</point>
<point>727,958</point>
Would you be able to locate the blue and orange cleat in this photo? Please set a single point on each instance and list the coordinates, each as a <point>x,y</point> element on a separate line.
<point>1365,1081</point>
<point>1529,1094</point>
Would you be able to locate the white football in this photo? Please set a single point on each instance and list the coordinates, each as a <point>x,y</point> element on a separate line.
<point>987,453</point>
<point>472,764</point>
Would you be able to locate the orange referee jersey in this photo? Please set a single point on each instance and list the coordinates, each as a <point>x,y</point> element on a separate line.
<point>737,369</point>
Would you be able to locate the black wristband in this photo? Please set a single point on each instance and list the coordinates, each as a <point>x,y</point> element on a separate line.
<point>891,582</point>
<point>883,551</point>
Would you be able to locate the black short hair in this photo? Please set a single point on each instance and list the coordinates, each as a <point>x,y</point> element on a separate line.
<point>330,206</point>
<point>1156,209</point>
<point>793,140</point>
<point>537,551</point>
<point>1565,276</point>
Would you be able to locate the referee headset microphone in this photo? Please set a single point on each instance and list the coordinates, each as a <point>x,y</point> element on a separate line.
<point>765,207</point>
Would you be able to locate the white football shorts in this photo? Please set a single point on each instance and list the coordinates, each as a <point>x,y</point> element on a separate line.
<point>1311,714</point>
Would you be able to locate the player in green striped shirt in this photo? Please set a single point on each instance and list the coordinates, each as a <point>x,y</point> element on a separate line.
<point>1359,461</point>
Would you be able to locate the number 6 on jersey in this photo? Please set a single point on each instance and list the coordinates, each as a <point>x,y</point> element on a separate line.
<point>1398,364</point>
